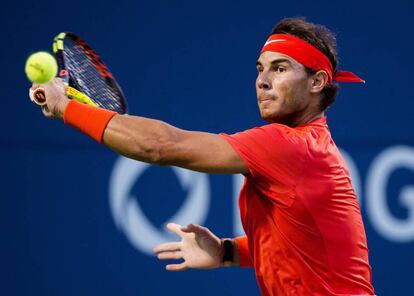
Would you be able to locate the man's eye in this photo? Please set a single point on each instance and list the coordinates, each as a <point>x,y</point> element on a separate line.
<point>280,69</point>
<point>259,69</point>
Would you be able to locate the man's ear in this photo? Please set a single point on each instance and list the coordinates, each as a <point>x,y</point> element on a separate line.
<point>319,81</point>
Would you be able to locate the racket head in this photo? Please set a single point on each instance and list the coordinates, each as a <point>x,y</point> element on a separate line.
<point>80,67</point>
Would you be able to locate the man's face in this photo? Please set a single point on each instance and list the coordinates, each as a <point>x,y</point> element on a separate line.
<point>282,87</point>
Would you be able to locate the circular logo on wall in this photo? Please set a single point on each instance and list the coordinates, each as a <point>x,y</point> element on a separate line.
<point>131,219</point>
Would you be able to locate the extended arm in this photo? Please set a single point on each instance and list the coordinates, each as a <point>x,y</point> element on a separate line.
<point>154,141</point>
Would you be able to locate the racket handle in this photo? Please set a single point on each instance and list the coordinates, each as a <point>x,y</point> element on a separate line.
<point>38,96</point>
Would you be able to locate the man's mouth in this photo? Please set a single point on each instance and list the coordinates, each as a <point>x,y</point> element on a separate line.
<point>265,99</point>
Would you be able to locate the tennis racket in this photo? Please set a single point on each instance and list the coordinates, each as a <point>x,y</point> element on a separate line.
<point>87,78</point>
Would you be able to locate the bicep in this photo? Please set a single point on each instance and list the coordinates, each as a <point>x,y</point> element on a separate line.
<point>204,152</point>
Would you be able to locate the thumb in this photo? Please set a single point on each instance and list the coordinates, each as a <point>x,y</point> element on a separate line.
<point>176,228</point>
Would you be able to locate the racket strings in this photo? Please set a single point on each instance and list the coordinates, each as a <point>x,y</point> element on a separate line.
<point>89,79</point>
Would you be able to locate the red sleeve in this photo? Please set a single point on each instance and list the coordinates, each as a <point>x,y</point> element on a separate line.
<point>243,247</point>
<point>274,154</point>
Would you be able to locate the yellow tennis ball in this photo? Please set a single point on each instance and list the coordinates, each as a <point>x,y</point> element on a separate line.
<point>41,67</point>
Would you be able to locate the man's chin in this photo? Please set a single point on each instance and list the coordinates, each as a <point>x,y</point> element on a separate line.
<point>270,118</point>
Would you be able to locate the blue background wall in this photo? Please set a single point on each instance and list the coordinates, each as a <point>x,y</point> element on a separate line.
<point>191,64</point>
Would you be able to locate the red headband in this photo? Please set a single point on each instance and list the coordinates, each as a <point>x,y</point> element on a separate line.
<point>307,55</point>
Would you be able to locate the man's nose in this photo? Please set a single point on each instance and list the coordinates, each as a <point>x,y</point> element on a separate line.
<point>263,82</point>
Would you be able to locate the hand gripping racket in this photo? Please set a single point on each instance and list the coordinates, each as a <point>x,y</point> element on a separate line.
<point>87,78</point>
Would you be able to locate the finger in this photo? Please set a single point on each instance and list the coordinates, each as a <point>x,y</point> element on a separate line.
<point>176,228</point>
<point>176,267</point>
<point>196,229</point>
<point>173,246</point>
<point>193,228</point>
<point>170,255</point>
<point>46,112</point>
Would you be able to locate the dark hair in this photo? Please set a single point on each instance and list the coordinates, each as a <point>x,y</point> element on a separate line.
<point>320,37</point>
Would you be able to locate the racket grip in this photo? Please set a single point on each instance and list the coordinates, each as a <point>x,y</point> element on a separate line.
<point>38,96</point>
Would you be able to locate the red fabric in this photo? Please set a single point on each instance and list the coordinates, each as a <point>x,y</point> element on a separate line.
<point>308,55</point>
<point>88,119</point>
<point>243,247</point>
<point>300,213</point>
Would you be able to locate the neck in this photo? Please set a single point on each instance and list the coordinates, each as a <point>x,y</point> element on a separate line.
<point>298,118</point>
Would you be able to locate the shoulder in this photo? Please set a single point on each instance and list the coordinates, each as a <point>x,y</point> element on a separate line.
<point>272,131</point>
<point>271,138</point>
<point>271,145</point>
<point>287,137</point>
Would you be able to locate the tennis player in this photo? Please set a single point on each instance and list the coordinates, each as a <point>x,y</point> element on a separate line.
<point>304,231</point>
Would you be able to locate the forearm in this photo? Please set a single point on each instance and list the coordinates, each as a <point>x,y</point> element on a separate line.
<point>138,137</point>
